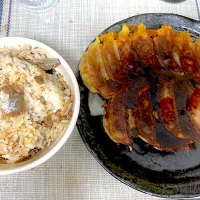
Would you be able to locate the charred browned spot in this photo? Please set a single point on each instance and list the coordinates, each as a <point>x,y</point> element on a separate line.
<point>189,64</point>
<point>167,110</point>
<point>144,107</point>
<point>194,101</point>
<point>144,50</point>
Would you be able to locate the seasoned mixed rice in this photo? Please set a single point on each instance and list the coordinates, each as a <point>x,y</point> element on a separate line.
<point>35,106</point>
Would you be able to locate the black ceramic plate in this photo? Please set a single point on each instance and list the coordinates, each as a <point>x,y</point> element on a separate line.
<point>171,175</point>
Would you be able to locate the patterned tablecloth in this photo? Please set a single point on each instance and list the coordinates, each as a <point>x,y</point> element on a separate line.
<point>68,28</point>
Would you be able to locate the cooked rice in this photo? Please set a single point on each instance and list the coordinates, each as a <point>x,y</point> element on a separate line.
<point>48,104</point>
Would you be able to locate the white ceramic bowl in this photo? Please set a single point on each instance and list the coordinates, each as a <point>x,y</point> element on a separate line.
<point>69,76</point>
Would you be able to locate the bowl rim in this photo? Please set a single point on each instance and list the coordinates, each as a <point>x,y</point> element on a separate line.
<point>72,124</point>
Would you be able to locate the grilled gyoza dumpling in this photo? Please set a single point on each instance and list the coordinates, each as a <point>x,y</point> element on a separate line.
<point>151,81</point>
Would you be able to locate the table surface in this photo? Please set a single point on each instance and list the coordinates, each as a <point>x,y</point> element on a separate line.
<point>68,28</point>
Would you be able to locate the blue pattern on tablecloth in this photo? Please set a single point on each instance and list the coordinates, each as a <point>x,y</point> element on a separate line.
<point>9,17</point>
<point>1,12</point>
<point>198,11</point>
